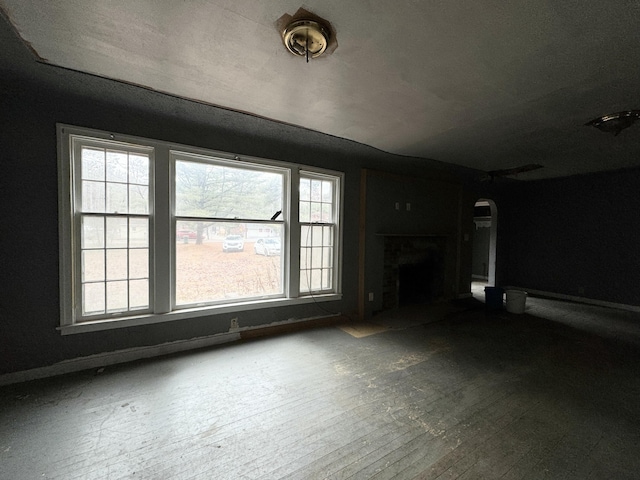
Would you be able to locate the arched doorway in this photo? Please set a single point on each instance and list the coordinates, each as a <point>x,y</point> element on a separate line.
<point>485,218</point>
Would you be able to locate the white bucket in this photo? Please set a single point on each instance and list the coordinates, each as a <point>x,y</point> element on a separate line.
<point>516,300</point>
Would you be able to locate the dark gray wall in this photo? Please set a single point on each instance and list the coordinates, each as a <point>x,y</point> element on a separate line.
<point>436,205</point>
<point>30,305</point>
<point>573,236</point>
<point>34,97</point>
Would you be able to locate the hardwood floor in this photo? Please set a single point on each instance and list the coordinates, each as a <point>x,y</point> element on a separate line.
<point>553,393</point>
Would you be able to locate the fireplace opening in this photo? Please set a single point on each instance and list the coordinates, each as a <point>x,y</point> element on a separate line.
<point>414,270</point>
<point>419,283</point>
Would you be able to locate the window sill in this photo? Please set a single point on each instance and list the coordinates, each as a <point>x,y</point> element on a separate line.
<point>150,319</point>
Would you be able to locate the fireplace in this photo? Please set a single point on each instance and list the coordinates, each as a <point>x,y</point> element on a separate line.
<point>414,269</point>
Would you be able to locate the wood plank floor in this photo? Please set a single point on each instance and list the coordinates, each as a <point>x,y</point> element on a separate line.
<point>553,393</point>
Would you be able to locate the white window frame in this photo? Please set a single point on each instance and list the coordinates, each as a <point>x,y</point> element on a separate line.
<point>335,224</point>
<point>162,235</point>
<point>77,143</point>
<point>216,160</point>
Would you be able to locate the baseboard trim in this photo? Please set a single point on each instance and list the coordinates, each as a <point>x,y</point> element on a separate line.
<point>574,298</point>
<point>139,353</point>
<point>119,356</point>
<point>288,326</point>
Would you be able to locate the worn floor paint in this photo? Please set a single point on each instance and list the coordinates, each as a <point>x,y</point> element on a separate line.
<point>552,393</point>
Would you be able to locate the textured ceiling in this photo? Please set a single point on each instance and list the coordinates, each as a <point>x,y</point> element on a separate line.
<point>484,84</point>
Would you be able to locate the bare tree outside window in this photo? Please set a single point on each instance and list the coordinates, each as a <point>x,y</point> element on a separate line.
<point>221,211</point>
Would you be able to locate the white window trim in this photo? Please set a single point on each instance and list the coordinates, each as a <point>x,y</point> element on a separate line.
<point>162,219</point>
<point>183,154</point>
<point>75,215</point>
<point>337,222</point>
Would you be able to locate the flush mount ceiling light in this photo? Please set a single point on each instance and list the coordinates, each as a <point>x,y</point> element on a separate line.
<point>307,35</point>
<point>615,122</point>
<point>306,38</point>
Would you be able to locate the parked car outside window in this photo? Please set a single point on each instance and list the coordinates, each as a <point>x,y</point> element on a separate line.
<point>267,246</point>
<point>186,235</point>
<point>233,243</point>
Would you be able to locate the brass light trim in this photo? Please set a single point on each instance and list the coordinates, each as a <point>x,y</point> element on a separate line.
<point>306,38</point>
<point>615,122</point>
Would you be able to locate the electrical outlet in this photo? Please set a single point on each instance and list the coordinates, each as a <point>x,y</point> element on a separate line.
<point>371,296</point>
<point>408,207</point>
<point>234,324</point>
<point>397,205</point>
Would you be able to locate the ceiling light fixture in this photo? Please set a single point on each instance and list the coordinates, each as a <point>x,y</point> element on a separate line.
<point>306,38</point>
<point>615,122</point>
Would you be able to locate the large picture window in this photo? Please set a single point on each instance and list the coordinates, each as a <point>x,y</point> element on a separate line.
<point>152,231</point>
<point>230,211</point>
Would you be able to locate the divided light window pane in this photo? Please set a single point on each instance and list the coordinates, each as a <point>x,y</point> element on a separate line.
<point>316,258</point>
<point>316,200</point>
<point>114,230</point>
<point>317,233</point>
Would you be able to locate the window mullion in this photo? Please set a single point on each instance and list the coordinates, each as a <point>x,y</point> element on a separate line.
<point>294,234</point>
<point>163,232</point>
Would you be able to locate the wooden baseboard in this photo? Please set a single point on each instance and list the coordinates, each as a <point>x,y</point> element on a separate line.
<point>288,327</point>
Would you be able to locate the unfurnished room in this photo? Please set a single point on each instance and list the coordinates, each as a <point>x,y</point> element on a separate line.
<point>330,240</point>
